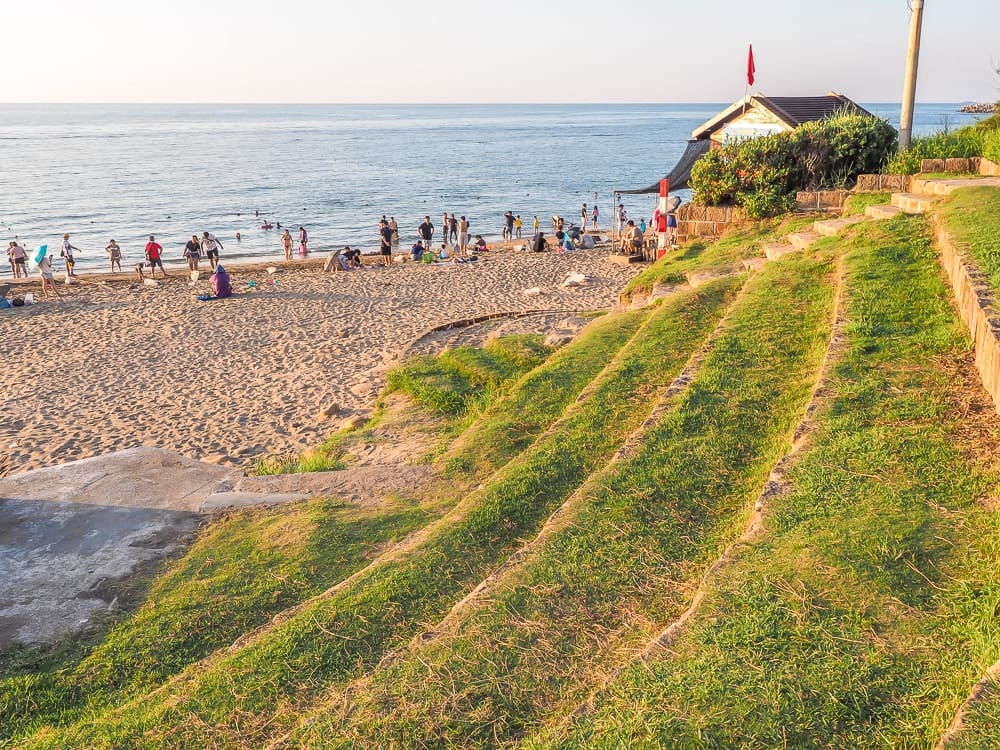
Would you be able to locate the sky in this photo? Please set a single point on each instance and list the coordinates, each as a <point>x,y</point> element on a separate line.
<point>530,51</point>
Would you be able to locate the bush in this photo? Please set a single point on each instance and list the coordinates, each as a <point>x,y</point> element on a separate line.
<point>956,144</point>
<point>761,175</point>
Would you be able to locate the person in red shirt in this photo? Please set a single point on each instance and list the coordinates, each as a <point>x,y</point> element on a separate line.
<point>153,253</point>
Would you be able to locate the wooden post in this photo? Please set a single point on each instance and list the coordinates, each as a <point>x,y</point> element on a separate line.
<point>910,82</point>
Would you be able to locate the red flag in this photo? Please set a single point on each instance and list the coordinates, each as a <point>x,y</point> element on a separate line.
<point>750,67</point>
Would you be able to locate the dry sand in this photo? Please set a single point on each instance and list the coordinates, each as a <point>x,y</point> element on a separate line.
<point>115,364</point>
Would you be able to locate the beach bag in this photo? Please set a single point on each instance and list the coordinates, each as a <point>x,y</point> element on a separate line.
<point>17,302</point>
<point>4,303</point>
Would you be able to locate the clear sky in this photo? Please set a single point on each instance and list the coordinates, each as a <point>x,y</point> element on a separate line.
<point>500,51</point>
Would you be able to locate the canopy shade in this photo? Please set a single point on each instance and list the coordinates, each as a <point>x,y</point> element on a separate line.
<point>681,172</point>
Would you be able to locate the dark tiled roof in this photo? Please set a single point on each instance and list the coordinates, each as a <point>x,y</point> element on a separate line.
<point>796,110</point>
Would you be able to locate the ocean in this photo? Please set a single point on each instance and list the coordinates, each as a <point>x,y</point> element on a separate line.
<point>127,171</point>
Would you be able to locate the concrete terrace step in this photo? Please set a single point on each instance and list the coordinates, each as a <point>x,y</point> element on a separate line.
<point>833,227</point>
<point>882,212</point>
<point>775,250</point>
<point>911,203</point>
<point>947,186</point>
<point>753,264</point>
<point>802,240</point>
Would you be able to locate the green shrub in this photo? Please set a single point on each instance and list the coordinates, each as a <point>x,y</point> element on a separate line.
<point>955,144</point>
<point>761,175</point>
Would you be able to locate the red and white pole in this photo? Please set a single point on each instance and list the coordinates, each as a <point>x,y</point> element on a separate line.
<point>662,238</point>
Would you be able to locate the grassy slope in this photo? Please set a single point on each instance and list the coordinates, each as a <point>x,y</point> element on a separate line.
<point>249,566</point>
<point>972,218</point>
<point>241,571</point>
<point>868,609</point>
<point>632,551</point>
<point>237,699</point>
<point>714,256</point>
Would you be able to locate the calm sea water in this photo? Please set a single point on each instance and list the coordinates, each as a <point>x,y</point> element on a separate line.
<point>126,171</point>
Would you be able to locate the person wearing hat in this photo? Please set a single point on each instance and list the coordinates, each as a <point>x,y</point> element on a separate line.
<point>67,255</point>
<point>154,257</point>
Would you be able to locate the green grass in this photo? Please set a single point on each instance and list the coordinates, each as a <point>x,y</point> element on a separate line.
<point>867,610</point>
<point>856,204</point>
<point>240,698</point>
<point>241,571</point>
<point>712,256</point>
<point>629,553</point>
<point>328,456</point>
<point>972,218</point>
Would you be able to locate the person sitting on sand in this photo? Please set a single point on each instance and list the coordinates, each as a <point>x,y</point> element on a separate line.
<point>353,257</point>
<point>539,244</point>
<point>417,251</point>
<point>442,253</point>
<point>114,252</point>
<point>336,260</point>
<point>479,244</point>
<point>222,286</point>
<point>48,278</point>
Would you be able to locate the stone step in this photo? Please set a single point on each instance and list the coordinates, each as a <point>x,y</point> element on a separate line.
<point>775,250</point>
<point>947,186</point>
<point>754,264</point>
<point>833,227</point>
<point>882,212</point>
<point>802,240</point>
<point>911,203</point>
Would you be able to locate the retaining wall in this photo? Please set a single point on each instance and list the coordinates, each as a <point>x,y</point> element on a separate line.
<point>883,183</point>
<point>976,306</point>
<point>707,221</point>
<point>820,200</point>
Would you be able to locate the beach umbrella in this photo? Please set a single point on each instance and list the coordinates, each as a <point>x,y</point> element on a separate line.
<point>40,252</point>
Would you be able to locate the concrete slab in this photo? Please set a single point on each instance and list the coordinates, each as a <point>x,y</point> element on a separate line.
<point>71,535</point>
<point>802,240</point>
<point>833,227</point>
<point>219,501</point>
<point>880,213</point>
<point>753,264</point>
<point>134,478</point>
<point>911,203</point>
<point>775,250</point>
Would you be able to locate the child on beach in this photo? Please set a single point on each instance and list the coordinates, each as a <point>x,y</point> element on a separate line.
<point>303,242</point>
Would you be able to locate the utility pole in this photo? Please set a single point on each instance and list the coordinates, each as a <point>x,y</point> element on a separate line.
<point>910,82</point>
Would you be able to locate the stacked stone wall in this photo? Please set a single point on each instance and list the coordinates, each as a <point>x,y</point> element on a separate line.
<point>707,221</point>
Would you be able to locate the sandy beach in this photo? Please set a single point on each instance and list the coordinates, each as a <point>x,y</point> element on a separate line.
<point>116,364</point>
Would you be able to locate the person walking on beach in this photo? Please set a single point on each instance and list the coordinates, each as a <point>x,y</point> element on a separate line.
<point>114,252</point>
<point>303,242</point>
<point>211,245</point>
<point>67,255</point>
<point>426,231</point>
<point>18,258</point>
<point>154,256</point>
<point>584,217</point>
<point>518,225</point>
<point>48,278</point>
<point>385,241</point>
<point>192,251</point>
<point>286,244</point>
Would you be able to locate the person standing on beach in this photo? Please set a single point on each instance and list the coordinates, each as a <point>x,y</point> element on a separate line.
<point>445,226</point>
<point>67,254</point>
<point>114,252</point>
<point>385,241</point>
<point>18,257</point>
<point>426,231</point>
<point>453,227</point>
<point>584,217</point>
<point>192,251</point>
<point>154,256</point>
<point>395,231</point>
<point>534,225</point>
<point>463,236</point>
<point>48,278</point>
<point>211,245</point>
<point>518,225</point>
<point>508,225</point>
<point>593,218</point>
<point>303,242</point>
<point>286,244</point>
